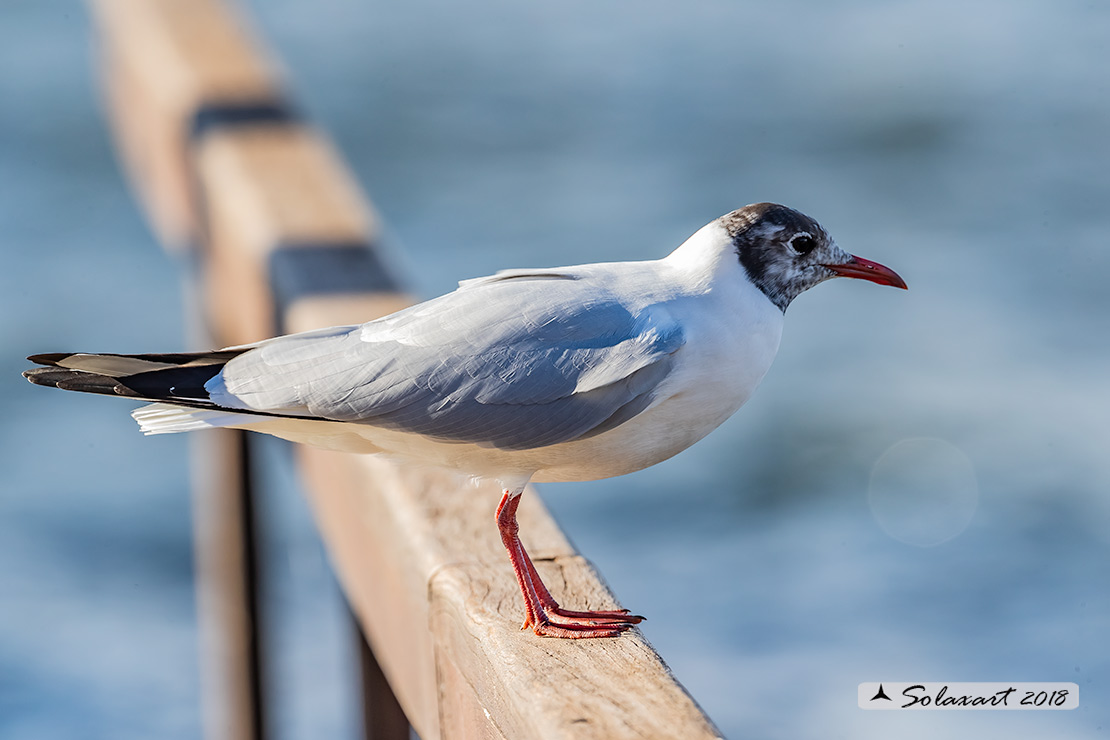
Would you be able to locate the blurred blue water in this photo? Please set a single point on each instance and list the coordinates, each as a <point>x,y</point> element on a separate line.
<point>965,146</point>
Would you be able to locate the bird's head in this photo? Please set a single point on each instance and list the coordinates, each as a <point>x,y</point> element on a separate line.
<point>785,252</point>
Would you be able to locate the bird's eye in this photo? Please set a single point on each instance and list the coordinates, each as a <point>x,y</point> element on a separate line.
<point>803,244</point>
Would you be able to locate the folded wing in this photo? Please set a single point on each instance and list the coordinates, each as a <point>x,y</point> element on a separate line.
<point>515,362</point>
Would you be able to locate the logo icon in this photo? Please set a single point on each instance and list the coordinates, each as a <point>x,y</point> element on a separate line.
<point>880,694</point>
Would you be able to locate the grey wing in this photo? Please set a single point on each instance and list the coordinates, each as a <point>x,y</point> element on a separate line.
<point>508,363</point>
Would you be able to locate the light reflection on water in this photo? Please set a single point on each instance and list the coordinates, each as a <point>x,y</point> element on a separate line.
<point>969,156</point>
<point>923,491</point>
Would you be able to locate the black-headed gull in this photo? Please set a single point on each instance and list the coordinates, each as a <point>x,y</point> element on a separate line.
<point>562,374</point>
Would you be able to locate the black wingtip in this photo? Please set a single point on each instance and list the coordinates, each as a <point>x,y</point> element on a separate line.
<point>77,380</point>
<point>50,358</point>
<point>47,376</point>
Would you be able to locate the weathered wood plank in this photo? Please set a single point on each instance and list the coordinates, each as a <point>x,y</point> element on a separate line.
<point>443,536</point>
<point>606,689</point>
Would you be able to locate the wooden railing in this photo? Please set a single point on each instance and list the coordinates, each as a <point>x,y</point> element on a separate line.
<point>283,240</point>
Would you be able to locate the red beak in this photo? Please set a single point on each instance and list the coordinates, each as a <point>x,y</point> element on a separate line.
<point>858,267</point>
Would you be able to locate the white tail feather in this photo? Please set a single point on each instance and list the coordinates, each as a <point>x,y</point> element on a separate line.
<point>164,418</point>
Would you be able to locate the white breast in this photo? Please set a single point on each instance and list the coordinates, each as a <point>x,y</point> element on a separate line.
<point>732,336</point>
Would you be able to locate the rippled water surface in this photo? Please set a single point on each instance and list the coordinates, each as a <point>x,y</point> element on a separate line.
<point>920,490</point>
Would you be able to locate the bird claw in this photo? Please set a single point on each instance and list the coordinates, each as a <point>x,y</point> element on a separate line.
<point>574,631</point>
<point>554,621</point>
<point>603,616</point>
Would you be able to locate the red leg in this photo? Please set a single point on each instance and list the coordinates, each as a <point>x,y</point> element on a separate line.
<point>544,615</point>
<point>553,609</point>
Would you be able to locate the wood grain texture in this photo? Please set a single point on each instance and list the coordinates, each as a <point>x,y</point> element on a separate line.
<point>606,689</point>
<point>447,570</point>
<point>388,530</point>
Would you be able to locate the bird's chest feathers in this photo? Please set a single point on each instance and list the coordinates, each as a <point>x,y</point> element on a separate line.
<point>728,351</point>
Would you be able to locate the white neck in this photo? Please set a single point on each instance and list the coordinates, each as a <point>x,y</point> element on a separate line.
<point>708,256</point>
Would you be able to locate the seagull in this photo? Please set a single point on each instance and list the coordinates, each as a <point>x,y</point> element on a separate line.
<point>563,374</point>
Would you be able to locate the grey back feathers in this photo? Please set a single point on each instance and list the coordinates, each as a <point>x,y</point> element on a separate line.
<point>494,363</point>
